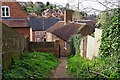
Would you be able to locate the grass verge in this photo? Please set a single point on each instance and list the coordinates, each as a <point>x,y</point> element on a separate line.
<point>96,68</point>
<point>32,66</point>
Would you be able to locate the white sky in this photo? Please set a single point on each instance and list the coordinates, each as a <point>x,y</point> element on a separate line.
<point>89,4</point>
<point>51,1</point>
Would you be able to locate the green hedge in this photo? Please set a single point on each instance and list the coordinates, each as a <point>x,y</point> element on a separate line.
<point>110,42</point>
<point>32,66</point>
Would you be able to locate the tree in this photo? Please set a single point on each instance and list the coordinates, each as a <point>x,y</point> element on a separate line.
<point>47,4</point>
<point>31,9</point>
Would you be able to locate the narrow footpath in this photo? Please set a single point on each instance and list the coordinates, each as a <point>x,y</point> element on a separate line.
<point>61,71</point>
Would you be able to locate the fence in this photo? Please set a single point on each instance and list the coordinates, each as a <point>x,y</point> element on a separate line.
<point>90,45</point>
<point>50,47</point>
<point>13,45</point>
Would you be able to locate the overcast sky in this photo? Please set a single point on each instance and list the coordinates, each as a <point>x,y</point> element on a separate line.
<point>90,6</point>
<point>51,1</point>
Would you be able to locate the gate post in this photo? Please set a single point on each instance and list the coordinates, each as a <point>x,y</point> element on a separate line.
<point>57,48</point>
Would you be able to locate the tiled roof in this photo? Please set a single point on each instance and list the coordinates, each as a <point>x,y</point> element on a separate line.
<point>39,24</point>
<point>66,31</point>
<point>89,23</point>
<point>55,26</point>
<point>15,23</point>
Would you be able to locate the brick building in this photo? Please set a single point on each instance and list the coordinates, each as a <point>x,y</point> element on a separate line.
<point>68,28</point>
<point>14,16</point>
<point>39,25</point>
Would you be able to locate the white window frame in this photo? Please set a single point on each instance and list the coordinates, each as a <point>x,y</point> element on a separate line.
<point>65,45</point>
<point>37,39</point>
<point>5,11</point>
<point>48,34</point>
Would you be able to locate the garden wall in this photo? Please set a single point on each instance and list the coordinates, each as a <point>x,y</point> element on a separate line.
<point>13,45</point>
<point>50,47</point>
<point>0,51</point>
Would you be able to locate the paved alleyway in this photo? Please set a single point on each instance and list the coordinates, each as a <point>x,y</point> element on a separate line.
<point>61,71</point>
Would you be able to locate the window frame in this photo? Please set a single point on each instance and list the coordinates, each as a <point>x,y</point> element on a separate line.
<point>48,35</point>
<point>37,39</point>
<point>65,45</point>
<point>37,33</point>
<point>5,7</point>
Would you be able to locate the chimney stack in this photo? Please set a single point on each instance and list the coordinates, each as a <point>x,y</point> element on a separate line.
<point>67,16</point>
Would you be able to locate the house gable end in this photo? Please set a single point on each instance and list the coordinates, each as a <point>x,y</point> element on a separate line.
<point>16,10</point>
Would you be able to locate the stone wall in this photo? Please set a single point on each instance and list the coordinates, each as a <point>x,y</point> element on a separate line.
<point>13,45</point>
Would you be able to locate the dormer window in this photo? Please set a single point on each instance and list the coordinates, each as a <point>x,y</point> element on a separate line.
<point>5,11</point>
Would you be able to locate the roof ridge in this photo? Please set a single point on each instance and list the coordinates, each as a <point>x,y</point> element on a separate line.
<point>79,23</point>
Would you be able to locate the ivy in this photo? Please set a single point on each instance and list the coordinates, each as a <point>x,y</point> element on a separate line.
<point>110,42</point>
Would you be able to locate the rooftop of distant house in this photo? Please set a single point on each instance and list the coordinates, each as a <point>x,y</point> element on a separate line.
<point>40,24</point>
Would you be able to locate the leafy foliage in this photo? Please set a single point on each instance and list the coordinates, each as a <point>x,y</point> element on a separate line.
<point>39,9</point>
<point>75,41</point>
<point>110,42</point>
<point>107,65</point>
<point>32,66</point>
<point>95,68</point>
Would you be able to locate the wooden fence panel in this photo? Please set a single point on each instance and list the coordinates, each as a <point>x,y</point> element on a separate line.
<point>90,45</point>
<point>97,42</point>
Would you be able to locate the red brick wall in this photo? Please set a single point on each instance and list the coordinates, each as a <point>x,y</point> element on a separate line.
<point>33,36</point>
<point>68,16</point>
<point>51,39</point>
<point>49,47</point>
<point>24,31</point>
<point>16,10</point>
<point>39,36</point>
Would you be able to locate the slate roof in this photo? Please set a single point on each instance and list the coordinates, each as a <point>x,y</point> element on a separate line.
<point>15,23</point>
<point>38,23</point>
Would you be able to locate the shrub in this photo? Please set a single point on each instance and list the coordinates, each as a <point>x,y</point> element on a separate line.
<point>75,41</point>
<point>95,68</point>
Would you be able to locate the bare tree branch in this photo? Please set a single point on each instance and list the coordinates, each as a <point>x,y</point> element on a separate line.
<point>102,4</point>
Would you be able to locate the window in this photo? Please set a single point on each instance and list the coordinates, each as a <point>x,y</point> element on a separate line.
<point>37,33</point>
<point>48,34</point>
<point>65,46</point>
<point>37,39</point>
<point>5,11</point>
